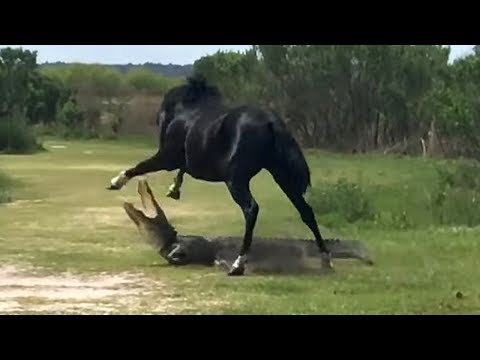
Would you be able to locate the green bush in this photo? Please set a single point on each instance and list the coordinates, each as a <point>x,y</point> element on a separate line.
<point>451,197</point>
<point>69,119</point>
<point>455,198</point>
<point>16,137</point>
<point>91,79</point>
<point>342,201</point>
<point>145,80</point>
<point>460,207</point>
<point>394,219</point>
<point>71,122</point>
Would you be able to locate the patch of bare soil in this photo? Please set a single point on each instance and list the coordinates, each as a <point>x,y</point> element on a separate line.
<point>94,216</point>
<point>20,203</point>
<point>124,293</point>
<point>115,215</point>
<point>100,167</point>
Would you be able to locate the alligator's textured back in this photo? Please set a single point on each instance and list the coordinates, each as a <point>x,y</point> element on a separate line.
<point>288,255</point>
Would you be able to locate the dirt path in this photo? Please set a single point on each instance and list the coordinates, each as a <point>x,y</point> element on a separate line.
<point>23,290</point>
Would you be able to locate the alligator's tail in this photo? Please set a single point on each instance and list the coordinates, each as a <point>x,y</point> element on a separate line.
<point>343,249</point>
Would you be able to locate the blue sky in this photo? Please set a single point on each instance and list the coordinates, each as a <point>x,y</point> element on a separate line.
<point>123,54</point>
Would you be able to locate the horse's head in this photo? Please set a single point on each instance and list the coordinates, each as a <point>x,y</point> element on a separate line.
<point>196,90</point>
<point>195,93</point>
<point>151,220</point>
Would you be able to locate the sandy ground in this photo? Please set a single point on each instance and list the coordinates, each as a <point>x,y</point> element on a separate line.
<point>27,290</point>
<point>24,291</point>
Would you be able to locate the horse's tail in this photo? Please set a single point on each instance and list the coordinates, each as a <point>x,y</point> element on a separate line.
<point>289,166</point>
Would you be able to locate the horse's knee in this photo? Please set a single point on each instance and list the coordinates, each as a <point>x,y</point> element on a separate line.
<point>251,212</point>
<point>254,209</point>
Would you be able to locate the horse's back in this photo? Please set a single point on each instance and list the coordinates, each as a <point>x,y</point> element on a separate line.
<point>239,137</point>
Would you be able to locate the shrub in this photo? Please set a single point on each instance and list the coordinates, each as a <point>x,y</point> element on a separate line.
<point>69,119</point>
<point>145,80</point>
<point>395,219</point>
<point>16,136</point>
<point>71,122</point>
<point>455,198</point>
<point>91,79</point>
<point>341,201</point>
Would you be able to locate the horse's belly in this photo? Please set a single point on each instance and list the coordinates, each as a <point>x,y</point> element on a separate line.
<point>205,167</point>
<point>206,173</point>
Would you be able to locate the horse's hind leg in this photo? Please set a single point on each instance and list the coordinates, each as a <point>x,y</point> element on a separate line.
<point>308,217</point>
<point>174,189</point>
<point>241,194</point>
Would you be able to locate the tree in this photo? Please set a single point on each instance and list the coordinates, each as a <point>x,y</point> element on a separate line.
<point>17,67</point>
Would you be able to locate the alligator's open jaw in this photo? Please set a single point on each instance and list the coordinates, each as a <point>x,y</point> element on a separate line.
<point>150,210</point>
<point>150,219</point>
<point>149,203</point>
<point>137,216</point>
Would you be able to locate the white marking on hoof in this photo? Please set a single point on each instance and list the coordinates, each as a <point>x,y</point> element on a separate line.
<point>326,260</point>
<point>240,262</point>
<point>120,180</point>
<point>173,192</point>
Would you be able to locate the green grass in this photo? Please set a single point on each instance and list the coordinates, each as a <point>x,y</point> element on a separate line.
<point>71,223</point>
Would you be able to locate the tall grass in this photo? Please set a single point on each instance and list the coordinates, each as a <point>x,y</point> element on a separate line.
<point>5,186</point>
<point>451,197</point>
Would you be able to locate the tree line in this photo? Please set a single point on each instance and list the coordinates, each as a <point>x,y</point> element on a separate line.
<point>352,98</point>
<point>360,98</point>
<point>168,70</point>
<point>64,100</point>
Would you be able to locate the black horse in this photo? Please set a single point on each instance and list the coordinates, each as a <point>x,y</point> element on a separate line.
<point>203,138</point>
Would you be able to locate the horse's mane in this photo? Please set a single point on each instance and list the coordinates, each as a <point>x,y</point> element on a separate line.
<point>199,89</point>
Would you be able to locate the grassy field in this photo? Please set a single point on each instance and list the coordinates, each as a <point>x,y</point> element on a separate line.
<point>66,245</point>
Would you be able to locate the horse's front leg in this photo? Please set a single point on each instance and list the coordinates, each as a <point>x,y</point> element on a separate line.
<point>153,164</point>
<point>174,189</point>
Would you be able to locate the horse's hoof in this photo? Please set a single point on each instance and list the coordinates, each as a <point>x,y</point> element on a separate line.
<point>118,182</point>
<point>237,271</point>
<point>327,263</point>
<point>175,195</point>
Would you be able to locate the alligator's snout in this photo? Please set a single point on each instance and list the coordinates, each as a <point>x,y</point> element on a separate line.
<point>133,213</point>
<point>150,219</point>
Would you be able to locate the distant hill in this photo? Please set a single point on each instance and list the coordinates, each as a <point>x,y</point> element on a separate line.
<point>170,70</point>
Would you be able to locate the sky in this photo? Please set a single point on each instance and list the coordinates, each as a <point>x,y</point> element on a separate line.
<point>139,54</point>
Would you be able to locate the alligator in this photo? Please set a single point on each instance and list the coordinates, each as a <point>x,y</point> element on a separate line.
<point>267,255</point>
